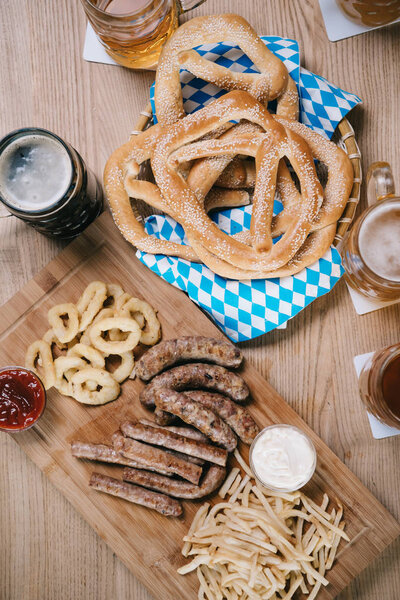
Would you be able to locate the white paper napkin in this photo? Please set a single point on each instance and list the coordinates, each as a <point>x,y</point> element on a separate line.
<point>379,430</point>
<point>338,26</point>
<point>364,305</point>
<point>93,51</point>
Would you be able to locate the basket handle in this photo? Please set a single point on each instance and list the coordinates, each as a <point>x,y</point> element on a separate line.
<point>380,183</point>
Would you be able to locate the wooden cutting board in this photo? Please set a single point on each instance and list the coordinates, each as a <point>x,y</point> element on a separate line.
<point>148,543</point>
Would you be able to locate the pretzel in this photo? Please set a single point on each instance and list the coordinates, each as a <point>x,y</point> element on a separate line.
<point>270,83</point>
<point>315,246</point>
<point>188,211</point>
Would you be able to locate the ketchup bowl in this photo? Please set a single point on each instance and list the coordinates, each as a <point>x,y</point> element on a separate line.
<point>22,399</point>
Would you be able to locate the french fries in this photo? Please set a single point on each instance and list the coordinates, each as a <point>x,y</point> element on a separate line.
<point>259,545</point>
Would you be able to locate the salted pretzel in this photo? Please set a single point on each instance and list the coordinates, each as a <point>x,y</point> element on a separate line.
<point>183,204</point>
<point>272,81</point>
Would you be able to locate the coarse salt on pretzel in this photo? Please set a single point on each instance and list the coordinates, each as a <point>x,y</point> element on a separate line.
<point>65,329</point>
<point>115,347</point>
<point>183,204</point>
<point>269,83</point>
<point>39,359</point>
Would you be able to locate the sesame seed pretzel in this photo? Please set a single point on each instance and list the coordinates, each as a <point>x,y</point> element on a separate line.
<point>183,205</point>
<point>272,81</point>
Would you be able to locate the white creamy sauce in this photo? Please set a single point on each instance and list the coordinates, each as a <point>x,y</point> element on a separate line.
<point>35,172</point>
<point>283,458</point>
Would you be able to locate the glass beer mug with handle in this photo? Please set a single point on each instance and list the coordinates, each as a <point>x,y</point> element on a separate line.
<point>371,249</point>
<point>133,32</point>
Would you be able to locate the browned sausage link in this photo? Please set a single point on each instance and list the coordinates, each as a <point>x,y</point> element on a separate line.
<point>173,441</point>
<point>163,418</point>
<point>107,454</point>
<point>189,432</point>
<point>163,504</point>
<point>196,347</point>
<point>197,415</point>
<point>155,458</point>
<point>197,376</point>
<point>192,459</point>
<point>236,416</point>
<point>173,487</point>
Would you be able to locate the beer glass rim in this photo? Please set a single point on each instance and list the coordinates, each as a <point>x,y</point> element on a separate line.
<point>374,276</point>
<point>9,137</point>
<point>104,13</point>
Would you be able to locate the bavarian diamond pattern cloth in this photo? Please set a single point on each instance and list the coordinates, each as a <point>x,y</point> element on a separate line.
<point>247,309</point>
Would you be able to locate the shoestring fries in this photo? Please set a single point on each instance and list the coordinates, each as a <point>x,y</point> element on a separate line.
<point>256,544</point>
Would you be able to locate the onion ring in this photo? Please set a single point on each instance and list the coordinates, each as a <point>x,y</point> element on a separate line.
<point>110,388</point>
<point>116,347</point>
<point>65,332</point>
<point>124,370</point>
<point>40,352</point>
<point>152,331</point>
<point>114,291</point>
<point>63,365</point>
<point>91,302</point>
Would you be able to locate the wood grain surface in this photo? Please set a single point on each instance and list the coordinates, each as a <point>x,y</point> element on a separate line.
<point>47,551</point>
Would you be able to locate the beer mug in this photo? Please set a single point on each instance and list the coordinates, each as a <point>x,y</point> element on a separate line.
<point>133,32</point>
<point>379,384</point>
<point>371,249</point>
<point>45,182</point>
<point>371,13</point>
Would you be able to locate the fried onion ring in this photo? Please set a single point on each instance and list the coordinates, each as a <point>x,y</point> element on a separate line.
<point>65,332</point>
<point>152,331</point>
<point>109,391</point>
<point>91,302</point>
<point>115,347</point>
<point>114,291</point>
<point>39,354</point>
<point>124,370</point>
<point>89,354</point>
<point>64,365</point>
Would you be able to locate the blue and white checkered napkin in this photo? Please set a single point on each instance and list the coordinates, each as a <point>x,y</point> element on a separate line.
<point>247,309</point>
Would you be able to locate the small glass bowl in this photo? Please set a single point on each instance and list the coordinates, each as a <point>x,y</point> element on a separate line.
<point>13,429</point>
<point>309,474</point>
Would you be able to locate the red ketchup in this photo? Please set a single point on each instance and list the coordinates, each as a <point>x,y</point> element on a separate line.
<point>22,398</point>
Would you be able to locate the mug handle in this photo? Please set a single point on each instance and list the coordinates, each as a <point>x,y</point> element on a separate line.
<point>380,183</point>
<point>185,5</point>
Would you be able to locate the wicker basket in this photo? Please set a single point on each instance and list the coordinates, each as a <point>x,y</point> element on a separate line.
<point>344,137</point>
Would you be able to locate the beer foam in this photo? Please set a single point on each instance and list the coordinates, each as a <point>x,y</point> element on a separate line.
<point>35,172</point>
<point>379,241</point>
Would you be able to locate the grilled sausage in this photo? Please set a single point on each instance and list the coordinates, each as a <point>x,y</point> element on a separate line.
<point>197,415</point>
<point>173,487</point>
<point>138,495</point>
<point>237,417</point>
<point>173,441</point>
<point>190,348</point>
<point>197,376</point>
<point>189,432</point>
<point>155,458</point>
<point>107,454</point>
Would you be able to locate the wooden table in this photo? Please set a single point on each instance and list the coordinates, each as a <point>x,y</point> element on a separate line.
<point>47,551</point>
